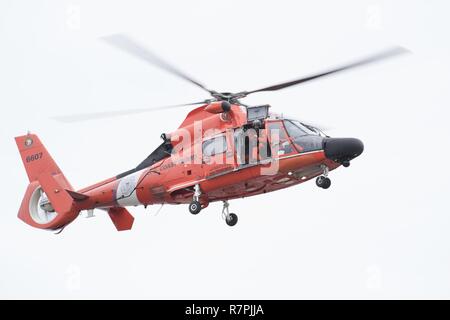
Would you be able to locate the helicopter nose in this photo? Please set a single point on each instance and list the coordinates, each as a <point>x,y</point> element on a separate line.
<point>342,149</point>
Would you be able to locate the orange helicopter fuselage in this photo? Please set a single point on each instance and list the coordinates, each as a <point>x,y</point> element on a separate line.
<point>215,155</point>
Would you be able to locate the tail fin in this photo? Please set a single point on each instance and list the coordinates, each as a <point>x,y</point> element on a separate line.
<point>48,203</point>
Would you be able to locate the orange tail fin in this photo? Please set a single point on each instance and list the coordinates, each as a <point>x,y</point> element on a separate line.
<point>47,203</point>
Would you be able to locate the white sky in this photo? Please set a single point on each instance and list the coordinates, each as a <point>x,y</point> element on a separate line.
<point>380,231</point>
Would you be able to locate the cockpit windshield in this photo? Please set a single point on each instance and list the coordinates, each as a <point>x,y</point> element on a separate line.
<point>297,129</point>
<point>305,137</point>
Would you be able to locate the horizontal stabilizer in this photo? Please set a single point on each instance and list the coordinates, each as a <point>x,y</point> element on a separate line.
<point>59,197</point>
<point>77,196</point>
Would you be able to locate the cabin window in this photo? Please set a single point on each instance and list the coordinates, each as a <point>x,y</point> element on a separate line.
<point>214,146</point>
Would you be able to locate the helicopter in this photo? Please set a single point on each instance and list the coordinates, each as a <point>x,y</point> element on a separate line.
<point>223,150</point>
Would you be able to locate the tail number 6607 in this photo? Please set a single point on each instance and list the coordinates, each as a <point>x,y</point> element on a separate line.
<point>33,157</point>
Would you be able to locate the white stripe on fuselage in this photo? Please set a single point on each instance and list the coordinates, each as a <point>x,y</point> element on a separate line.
<point>126,190</point>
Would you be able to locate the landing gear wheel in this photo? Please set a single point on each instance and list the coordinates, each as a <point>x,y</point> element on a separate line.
<point>323,182</point>
<point>319,181</point>
<point>326,183</point>
<point>231,219</point>
<point>195,207</point>
<point>346,163</point>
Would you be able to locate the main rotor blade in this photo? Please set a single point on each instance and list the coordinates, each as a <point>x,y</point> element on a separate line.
<point>367,60</point>
<point>110,114</point>
<point>134,48</point>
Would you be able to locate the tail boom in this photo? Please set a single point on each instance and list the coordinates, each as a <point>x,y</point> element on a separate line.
<point>51,203</point>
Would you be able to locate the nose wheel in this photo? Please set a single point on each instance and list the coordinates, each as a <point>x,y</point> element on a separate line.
<point>323,181</point>
<point>230,218</point>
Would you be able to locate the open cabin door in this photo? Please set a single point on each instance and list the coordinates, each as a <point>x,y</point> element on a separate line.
<point>246,147</point>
